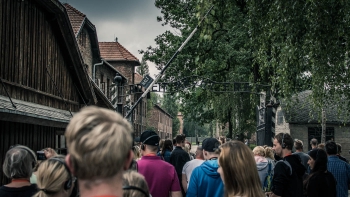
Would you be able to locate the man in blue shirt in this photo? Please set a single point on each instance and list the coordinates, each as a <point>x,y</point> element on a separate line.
<point>339,169</point>
<point>205,180</point>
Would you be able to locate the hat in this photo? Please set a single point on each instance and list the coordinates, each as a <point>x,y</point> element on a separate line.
<point>150,138</point>
<point>210,144</point>
<point>313,153</point>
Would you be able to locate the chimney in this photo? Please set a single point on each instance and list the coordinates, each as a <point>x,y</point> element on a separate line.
<point>116,39</point>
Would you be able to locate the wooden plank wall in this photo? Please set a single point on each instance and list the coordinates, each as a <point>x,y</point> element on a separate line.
<point>29,46</point>
<point>34,136</point>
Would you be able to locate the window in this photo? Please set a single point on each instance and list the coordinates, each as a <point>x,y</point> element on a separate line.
<point>316,132</point>
<point>279,117</point>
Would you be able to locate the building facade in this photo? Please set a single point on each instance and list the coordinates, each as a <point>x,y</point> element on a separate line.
<point>161,121</point>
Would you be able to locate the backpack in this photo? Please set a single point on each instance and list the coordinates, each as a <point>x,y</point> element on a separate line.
<point>268,179</point>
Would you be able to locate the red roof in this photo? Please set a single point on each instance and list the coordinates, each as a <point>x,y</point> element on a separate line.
<point>115,51</point>
<point>76,18</point>
<point>138,78</point>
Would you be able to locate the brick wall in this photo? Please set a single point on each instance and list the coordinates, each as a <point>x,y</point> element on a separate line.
<point>84,44</point>
<point>162,122</point>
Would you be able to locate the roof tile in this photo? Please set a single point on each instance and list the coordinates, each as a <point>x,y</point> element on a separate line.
<point>115,51</point>
<point>76,17</point>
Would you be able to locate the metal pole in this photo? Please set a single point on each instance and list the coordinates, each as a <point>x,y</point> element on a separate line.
<point>166,66</point>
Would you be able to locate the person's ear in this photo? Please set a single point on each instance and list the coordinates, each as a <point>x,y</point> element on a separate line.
<point>69,163</point>
<point>129,159</point>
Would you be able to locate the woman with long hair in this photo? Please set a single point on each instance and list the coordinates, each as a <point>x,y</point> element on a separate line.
<point>320,182</point>
<point>166,150</point>
<point>54,178</point>
<point>238,171</point>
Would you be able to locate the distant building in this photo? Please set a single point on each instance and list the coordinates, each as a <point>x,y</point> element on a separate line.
<point>125,62</point>
<point>161,121</point>
<point>303,122</point>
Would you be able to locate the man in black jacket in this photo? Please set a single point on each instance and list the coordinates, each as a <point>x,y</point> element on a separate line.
<point>287,180</point>
<point>179,157</point>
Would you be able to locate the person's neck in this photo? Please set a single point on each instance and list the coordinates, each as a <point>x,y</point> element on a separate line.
<point>148,153</point>
<point>20,182</point>
<point>200,158</point>
<point>111,186</point>
<point>286,152</point>
<point>299,151</point>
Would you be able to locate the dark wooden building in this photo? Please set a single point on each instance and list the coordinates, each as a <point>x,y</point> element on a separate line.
<point>43,77</point>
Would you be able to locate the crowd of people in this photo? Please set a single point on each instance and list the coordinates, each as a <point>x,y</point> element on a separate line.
<point>103,161</point>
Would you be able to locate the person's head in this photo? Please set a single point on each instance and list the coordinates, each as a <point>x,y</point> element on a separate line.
<point>199,153</point>
<point>180,140</point>
<point>210,148</point>
<point>168,145</point>
<point>282,144</point>
<point>99,143</point>
<point>54,177</point>
<point>134,184</point>
<point>298,144</point>
<point>237,169</point>
<point>339,148</point>
<point>331,148</point>
<point>259,151</point>
<point>313,143</point>
<point>19,162</point>
<point>318,160</point>
<point>150,142</point>
<point>137,152</point>
<point>187,148</point>
<point>222,139</point>
<point>189,145</point>
<point>321,146</point>
<point>269,153</point>
<point>161,143</point>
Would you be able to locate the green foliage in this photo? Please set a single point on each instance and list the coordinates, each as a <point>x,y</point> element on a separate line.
<point>143,69</point>
<point>290,45</point>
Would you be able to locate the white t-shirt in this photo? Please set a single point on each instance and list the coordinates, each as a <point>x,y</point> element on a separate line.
<point>189,167</point>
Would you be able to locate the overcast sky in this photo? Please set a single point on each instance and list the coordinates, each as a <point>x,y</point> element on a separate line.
<point>133,22</point>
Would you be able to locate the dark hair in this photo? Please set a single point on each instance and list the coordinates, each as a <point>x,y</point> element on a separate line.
<point>287,140</point>
<point>167,145</point>
<point>313,141</point>
<point>331,148</point>
<point>321,159</point>
<point>174,141</point>
<point>180,139</point>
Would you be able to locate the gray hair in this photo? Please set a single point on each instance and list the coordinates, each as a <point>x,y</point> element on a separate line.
<point>19,162</point>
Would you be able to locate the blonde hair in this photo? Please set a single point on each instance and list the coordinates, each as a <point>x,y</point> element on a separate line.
<point>99,142</point>
<point>137,152</point>
<point>269,153</point>
<point>187,148</point>
<point>51,177</point>
<point>133,178</point>
<point>259,150</point>
<point>239,167</point>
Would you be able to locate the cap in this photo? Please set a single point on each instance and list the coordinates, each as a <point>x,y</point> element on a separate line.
<point>150,138</point>
<point>210,144</point>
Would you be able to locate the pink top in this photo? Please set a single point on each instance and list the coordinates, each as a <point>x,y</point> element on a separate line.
<point>161,176</point>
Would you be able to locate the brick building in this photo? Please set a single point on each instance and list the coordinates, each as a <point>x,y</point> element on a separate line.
<point>100,71</point>
<point>303,123</point>
<point>161,121</point>
<point>180,117</point>
<point>125,62</point>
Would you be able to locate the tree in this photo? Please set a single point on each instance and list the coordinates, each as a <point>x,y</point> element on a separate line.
<point>143,69</point>
<point>170,104</point>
